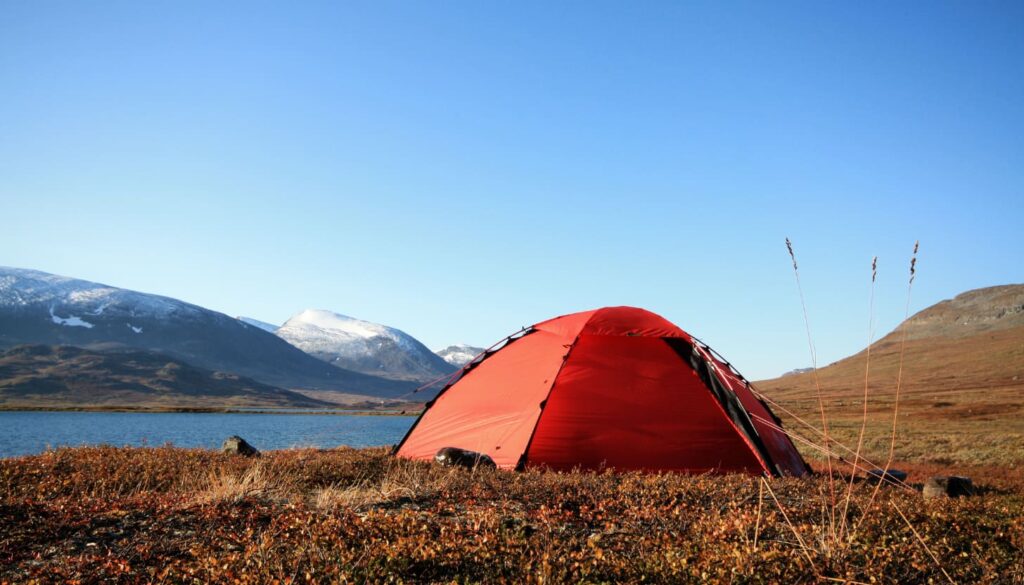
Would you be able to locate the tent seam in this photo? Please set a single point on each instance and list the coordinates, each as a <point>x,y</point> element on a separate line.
<point>544,403</point>
<point>459,376</point>
<point>760,452</point>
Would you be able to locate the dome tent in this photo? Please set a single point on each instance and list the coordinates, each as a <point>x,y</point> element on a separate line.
<point>617,387</point>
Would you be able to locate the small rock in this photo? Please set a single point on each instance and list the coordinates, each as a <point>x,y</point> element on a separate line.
<point>455,457</point>
<point>235,445</point>
<point>890,476</point>
<point>517,526</point>
<point>952,486</point>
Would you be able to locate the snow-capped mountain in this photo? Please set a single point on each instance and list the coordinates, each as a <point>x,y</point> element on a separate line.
<point>459,354</point>
<point>362,346</point>
<point>41,308</point>
<point>257,323</point>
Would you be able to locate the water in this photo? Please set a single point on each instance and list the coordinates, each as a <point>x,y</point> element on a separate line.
<point>26,433</point>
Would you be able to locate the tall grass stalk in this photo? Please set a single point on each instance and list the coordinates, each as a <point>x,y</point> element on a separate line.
<point>817,388</point>
<point>803,546</point>
<point>899,374</point>
<point>864,398</point>
<point>760,502</point>
<point>836,541</point>
<point>923,544</point>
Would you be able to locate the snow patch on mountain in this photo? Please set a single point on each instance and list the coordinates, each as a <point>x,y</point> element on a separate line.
<point>459,354</point>
<point>258,324</point>
<point>319,331</point>
<point>362,346</point>
<point>71,321</point>
<point>20,287</point>
<point>99,311</point>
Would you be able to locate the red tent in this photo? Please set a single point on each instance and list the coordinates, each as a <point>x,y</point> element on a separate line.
<point>617,387</point>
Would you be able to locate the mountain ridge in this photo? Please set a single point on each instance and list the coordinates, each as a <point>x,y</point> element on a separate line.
<point>362,346</point>
<point>42,308</point>
<point>459,354</point>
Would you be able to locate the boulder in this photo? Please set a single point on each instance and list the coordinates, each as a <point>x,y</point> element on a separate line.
<point>455,457</point>
<point>952,486</point>
<point>235,445</point>
<point>890,476</point>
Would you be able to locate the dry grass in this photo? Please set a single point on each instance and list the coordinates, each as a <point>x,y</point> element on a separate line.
<point>400,482</point>
<point>837,534</point>
<point>956,406</point>
<point>953,376</point>
<point>235,485</point>
<point>146,515</point>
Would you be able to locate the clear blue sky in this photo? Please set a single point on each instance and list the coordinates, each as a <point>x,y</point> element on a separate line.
<point>460,169</point>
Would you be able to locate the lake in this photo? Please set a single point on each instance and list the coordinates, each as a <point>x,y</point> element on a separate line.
<point>30,432</point>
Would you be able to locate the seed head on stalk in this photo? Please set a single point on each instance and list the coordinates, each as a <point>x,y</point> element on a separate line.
<point>821,401</point>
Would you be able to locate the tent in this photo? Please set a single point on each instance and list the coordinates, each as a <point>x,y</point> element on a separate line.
<point>618,387</point>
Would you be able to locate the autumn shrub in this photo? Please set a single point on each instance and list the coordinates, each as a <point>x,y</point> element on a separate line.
<point>347,515</point>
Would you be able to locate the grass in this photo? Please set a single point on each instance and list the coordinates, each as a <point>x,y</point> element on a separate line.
<point>130,515</point>
<point>946,386</point>
<point>961,400</point>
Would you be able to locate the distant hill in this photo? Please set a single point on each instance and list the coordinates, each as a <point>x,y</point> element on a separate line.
<point>460,354</point>
<point>362,346</point>
<point>41,308</point>
<point>983,310</point>
<point>962,396</point>
<point>48,376</point>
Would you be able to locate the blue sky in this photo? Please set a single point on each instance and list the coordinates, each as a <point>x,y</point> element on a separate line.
<point>460,169</point>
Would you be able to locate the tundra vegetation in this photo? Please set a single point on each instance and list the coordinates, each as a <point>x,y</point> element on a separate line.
<point>165,514</point>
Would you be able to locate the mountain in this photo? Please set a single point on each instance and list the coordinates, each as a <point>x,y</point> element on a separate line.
<point>259,324</point>
<point>61,376</point>
<point>962,390</point>
<point>974,312</point>
<point>41,308</point>
<point>459,354</point>
<point>363,346</point>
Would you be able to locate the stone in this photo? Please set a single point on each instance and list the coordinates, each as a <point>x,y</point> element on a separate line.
<point>890,477</point>
<point>235,445</point>
<point>455,457</point>
<point>518,526</point>
<point>952,486</point>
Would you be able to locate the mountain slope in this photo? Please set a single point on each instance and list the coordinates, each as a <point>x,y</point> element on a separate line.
<point>60,376</point>
<point>257,323</point>
<point>962,392</point>
<point>362,346</point>
<point>459,354</point>
<point>977,311</point>
<point>41,308</point>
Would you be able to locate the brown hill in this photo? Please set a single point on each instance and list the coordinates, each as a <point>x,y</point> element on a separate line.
<point>41,376</point>
<point>962,396</point>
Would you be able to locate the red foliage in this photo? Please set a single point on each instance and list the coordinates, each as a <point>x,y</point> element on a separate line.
<point>109,515</point>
